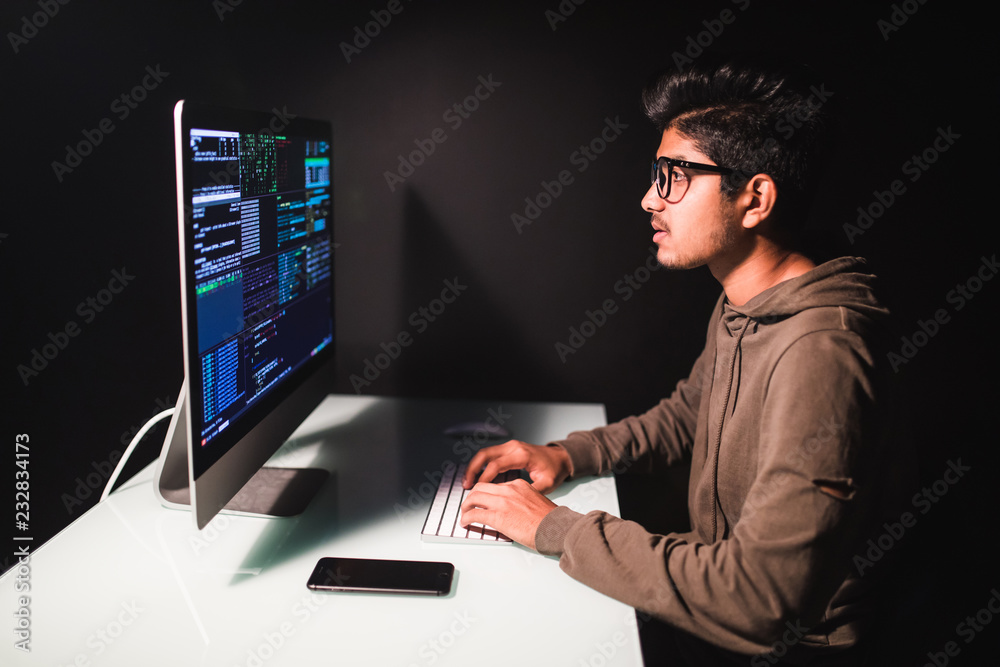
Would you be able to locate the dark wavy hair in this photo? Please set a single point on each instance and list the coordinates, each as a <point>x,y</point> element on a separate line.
<point>754,115</point>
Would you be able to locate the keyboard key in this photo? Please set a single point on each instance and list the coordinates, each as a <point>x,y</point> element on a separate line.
<point>443,516</point>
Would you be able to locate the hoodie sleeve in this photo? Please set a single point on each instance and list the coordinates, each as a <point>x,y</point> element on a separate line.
<point>777,570</point>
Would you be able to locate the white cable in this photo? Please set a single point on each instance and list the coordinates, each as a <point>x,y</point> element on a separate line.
<point>128,450</point>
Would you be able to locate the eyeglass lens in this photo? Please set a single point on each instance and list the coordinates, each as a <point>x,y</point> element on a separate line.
<point>671,183</point>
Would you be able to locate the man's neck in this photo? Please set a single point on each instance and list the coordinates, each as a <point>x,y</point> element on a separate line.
<point>763,268</point>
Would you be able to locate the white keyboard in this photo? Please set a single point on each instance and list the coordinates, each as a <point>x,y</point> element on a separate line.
<point>442,524</point>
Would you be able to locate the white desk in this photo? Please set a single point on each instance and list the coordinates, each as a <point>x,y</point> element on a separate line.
<point>132,583</point>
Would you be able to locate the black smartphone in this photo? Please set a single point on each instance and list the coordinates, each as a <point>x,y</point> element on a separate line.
<point>382,576</point>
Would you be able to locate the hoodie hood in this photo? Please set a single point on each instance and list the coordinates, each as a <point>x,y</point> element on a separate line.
<point>843,282</point>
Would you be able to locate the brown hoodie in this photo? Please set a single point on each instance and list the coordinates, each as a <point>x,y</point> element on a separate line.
<point>786,397</point>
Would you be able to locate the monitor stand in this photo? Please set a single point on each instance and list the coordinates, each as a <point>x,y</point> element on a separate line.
<point>271,492</point>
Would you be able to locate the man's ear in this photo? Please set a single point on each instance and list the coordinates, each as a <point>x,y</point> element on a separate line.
<point>757,200</point>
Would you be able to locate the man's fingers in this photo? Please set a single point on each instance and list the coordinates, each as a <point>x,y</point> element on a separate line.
<point>491,461</point>
<point>485,496</point>
<point>476,506</point>
<point>478,515</point>
<point>475,465</point>
<point>514,508</point>
<point>492,469</point>
<point>481,495</point>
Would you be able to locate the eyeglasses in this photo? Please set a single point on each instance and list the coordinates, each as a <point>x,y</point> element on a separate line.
<point>672,183</point>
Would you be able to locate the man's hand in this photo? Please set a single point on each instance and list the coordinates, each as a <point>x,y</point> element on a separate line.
<point>513,508</point>
<point>548,467</point>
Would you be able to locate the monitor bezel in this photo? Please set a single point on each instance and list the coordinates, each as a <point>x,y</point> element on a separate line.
<point>217,475</point>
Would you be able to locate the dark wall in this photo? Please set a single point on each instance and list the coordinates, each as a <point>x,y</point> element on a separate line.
<point>901,74</point>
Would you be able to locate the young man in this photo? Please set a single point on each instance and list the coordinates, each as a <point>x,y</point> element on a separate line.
<point>780,418</point>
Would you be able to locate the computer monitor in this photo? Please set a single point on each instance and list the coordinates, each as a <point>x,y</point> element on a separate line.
<point>255,211</point>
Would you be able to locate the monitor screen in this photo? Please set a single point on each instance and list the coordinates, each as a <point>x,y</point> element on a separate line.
<point>255,205</point>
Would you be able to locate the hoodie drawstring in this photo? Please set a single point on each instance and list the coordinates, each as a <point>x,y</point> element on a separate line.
<point>722,420</point>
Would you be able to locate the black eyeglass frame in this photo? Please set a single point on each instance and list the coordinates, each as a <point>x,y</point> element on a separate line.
<point>671,163</point>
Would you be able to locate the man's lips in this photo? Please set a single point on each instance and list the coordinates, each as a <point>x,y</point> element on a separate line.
<point>660,232</point>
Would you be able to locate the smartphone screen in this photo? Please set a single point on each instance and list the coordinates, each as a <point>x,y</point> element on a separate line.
<point>382,576</point>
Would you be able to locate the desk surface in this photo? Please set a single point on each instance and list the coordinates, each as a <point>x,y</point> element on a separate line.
<point>133,583</point>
